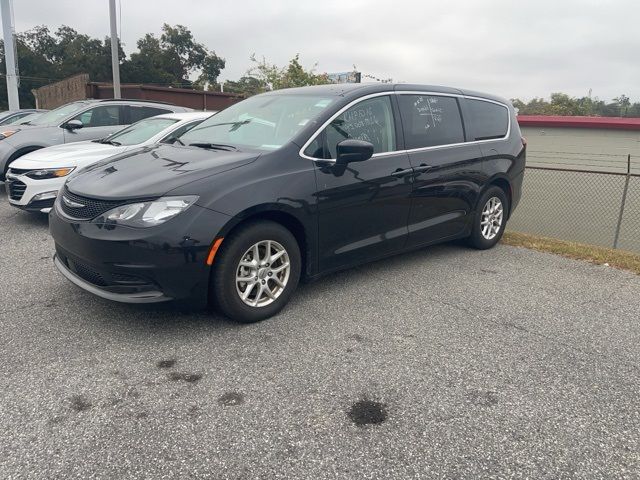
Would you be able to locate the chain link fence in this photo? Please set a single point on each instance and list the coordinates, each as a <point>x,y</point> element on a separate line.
<point>586,206</point>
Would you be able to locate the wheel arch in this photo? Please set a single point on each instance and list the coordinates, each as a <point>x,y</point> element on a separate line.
<point>19,153</point>
<point>279,214</point>
<point>502,182</point>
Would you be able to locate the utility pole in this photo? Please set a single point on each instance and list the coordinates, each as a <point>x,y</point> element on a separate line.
<point>9,54</point>
<point>115,62</point>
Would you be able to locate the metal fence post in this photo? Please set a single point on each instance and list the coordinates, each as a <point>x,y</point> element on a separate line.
<point>624,200</point>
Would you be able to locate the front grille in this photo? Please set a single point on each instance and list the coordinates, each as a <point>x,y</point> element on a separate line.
<point>16,189</point>
<point>91,208</point>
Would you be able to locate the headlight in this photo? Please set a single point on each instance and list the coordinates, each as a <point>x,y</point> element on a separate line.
<point>49,173</point>
<point>7,133</point>
<point>147,214</point>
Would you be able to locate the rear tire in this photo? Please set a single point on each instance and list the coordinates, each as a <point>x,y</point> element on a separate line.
<point>267,255</point>
<point>490,219</point>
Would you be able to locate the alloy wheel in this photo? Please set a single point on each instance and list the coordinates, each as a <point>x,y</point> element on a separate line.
<point>491,219</point>
<point>263,273</point>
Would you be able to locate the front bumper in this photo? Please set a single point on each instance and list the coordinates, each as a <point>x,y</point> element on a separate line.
<point>146,296</point>
<point>139,265</point>
<point>22,192</point>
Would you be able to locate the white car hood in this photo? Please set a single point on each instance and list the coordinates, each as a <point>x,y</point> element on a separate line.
<point>77,154</point>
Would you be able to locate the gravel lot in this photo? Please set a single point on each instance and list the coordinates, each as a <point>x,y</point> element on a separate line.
<point>507,363</point>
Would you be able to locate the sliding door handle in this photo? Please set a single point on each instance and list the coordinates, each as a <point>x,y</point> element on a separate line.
<point>423,168</point>
<point>401,172</point>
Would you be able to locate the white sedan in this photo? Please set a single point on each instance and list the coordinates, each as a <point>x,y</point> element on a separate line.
<point>34,179</point>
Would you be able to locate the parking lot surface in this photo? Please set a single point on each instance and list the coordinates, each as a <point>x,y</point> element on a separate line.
<point>443,363</point>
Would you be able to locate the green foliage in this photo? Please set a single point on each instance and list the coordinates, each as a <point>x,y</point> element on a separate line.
<point>563,104</point>
<point>170,59</point>
<point>45,57</point>
<point>293,75</point>
<point>246,85</point>
<point>265,76</point>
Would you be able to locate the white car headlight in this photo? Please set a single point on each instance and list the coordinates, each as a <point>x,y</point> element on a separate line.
<point>147,214</point>
<point>47,173</point>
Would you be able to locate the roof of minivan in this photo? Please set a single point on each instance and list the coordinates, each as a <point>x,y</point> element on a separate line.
<point>353,89</point>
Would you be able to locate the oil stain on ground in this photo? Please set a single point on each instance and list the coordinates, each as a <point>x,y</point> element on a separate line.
<point>185,377</point>
<point>168,363</point>
<point>367,412</point>
<point>231,399</point>
<point>483,398</point>
<point>80,403</point>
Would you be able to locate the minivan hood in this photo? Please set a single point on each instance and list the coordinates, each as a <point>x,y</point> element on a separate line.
<point>153,171</point>
<point>77,154</point>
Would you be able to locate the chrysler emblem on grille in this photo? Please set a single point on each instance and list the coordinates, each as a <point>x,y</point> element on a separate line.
<point>72,204</point>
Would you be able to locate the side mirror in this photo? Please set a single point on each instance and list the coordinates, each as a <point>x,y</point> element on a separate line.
<point>73,125</point>
<point>351,150</point>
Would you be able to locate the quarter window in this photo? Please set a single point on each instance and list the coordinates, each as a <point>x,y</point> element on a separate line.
<point>137,113</point>
<point>430,120</point>
<point>370,120</point>
<point>489,120</point>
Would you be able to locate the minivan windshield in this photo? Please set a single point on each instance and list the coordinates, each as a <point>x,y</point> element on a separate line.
<point>140,131</point>
<point>264,122</point>
<point>59,114</point>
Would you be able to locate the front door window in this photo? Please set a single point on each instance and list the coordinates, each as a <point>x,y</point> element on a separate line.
<point>370,120</point>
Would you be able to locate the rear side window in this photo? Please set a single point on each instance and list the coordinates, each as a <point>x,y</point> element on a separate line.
<point>139,113</point>
<point>430,120</point>
<point>370,120</point>
<point>489,120</point>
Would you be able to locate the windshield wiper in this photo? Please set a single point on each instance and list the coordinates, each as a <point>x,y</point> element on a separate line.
<point>214,146</point>
<point>110,142</point>
<point>235,125</point>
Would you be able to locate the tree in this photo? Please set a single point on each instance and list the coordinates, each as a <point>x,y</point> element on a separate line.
<point>45,57</point>
<point>246,85</point>
<point>171,59</point>
<point>273,77</point>
<point>563,104</point>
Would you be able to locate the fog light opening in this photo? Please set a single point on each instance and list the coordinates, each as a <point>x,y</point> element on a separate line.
<point>45,196</point>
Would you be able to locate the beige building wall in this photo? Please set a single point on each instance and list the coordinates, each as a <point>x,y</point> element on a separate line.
<point>582,148</point>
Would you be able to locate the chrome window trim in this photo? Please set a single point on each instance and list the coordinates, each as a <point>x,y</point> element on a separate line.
<point>411,150</point>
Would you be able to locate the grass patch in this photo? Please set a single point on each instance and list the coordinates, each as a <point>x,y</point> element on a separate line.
<point>598,255</point>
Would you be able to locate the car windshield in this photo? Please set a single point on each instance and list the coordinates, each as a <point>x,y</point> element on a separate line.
<point>264,122</point>
<point>26,120</point>
<point>140,131</point>
<point>59,114</point>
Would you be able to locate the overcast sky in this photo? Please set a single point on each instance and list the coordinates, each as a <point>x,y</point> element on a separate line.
<point>512,48</point>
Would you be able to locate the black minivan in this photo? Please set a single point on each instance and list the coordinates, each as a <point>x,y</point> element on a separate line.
<point>290,184</point>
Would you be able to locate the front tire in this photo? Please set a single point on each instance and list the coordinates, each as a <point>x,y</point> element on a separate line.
<point>490,219</point>
<point>256,271</point>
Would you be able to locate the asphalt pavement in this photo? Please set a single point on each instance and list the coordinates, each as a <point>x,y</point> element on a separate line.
<point>443,363</point>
